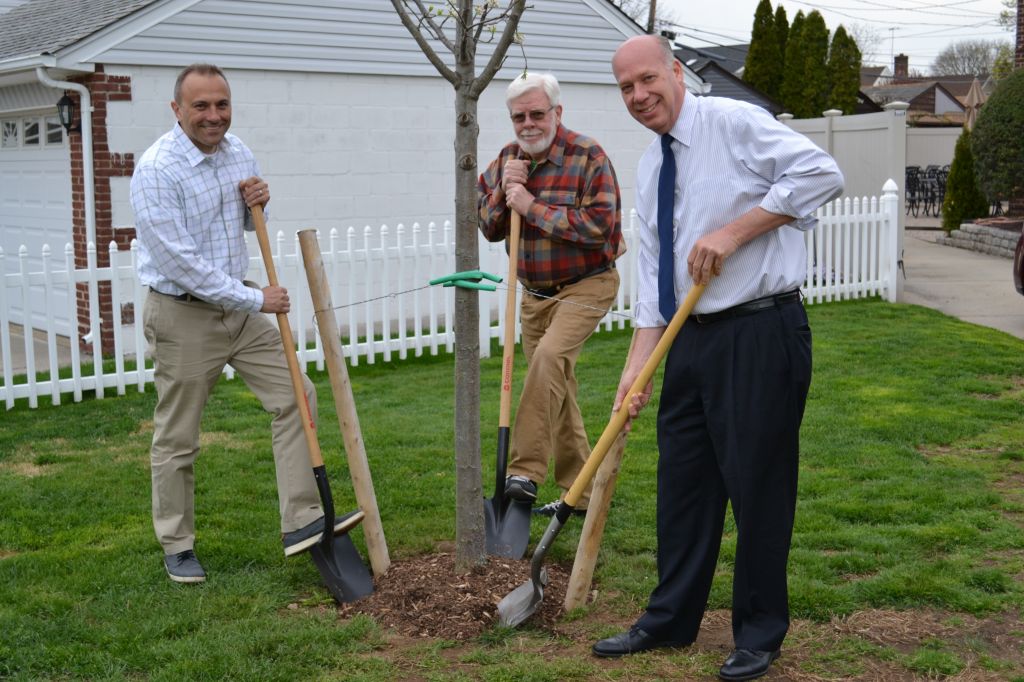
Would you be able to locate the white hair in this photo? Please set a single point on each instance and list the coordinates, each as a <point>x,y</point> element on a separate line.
<point>520,85</point>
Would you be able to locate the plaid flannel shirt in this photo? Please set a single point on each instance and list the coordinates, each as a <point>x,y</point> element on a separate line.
<point>574,225</point>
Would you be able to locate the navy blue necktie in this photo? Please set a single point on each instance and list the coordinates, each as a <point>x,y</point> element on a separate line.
<point>666,203</point>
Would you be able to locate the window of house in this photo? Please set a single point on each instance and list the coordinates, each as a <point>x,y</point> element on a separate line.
<point>54,130</point>
<point>31,136</point>
<point>9,134</point>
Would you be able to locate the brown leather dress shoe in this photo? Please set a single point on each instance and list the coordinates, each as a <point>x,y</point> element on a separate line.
<point>632,641</point>
<point>747,664</point>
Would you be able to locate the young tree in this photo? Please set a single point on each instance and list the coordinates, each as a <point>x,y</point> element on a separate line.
<point>763,67</point>
<point>815,48</point>
<point>1003,64</point>
<point>997,143</point>
<point>964,199</point>
<point>843,72</point>
<point>791,91</point>
<point>460,26</point>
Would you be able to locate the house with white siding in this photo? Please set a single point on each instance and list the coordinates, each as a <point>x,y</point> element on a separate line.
<point>349,121</point>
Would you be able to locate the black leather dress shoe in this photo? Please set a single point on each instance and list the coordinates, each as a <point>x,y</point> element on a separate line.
<point>747,664</point>
<point>633,641</point>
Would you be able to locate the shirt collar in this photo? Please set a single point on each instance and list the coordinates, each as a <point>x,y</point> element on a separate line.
<point>189,150</point>
<point>682,130</point>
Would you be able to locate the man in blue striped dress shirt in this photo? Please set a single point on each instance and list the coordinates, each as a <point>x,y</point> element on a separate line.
<point>743,189</point>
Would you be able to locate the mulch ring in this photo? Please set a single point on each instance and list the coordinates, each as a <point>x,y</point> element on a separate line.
<point>425,597</point>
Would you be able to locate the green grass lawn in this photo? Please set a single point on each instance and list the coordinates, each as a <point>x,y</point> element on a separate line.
<point>910,501</point>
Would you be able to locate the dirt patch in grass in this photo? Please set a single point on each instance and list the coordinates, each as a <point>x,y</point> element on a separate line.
<point>421,600</point>
<point>26,469</point>
<point>424,597</point>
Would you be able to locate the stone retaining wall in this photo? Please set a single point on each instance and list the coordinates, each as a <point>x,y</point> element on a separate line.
<point>983,238</point>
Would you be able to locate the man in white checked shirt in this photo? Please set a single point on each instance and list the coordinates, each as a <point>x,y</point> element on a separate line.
<point>729,212</point>
<point>190,193</point>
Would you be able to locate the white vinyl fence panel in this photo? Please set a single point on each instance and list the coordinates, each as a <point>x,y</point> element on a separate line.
<point>380,288</point>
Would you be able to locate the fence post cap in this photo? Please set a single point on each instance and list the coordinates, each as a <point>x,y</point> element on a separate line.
<point>829,113</point>
<point>890,187</point>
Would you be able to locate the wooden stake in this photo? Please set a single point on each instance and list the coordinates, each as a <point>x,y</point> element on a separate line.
<point>344,402</point>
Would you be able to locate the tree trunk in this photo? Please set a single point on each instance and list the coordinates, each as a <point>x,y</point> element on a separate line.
<point>470,540</point>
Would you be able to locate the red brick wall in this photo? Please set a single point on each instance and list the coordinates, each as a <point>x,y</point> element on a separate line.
<point>103,88</point>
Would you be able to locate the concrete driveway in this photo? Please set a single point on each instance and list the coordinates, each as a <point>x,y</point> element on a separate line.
<point>971,286</point>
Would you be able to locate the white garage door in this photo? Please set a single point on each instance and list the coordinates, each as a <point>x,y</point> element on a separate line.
<point>35,206</point>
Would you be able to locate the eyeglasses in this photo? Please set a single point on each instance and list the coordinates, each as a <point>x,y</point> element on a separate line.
<point>536,115</point>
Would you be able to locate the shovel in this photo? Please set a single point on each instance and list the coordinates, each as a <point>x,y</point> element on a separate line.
<point>522,602</point>
<point>340,565</point>
<point>507,522</point>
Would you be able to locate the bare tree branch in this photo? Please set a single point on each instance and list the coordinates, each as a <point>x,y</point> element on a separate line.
<point>513,12</point>
<point>437,30</point>
<point>480,25</point>
<point>417,35</point>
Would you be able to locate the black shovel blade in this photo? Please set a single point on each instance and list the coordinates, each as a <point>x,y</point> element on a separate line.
<point>507,527</point>
<point>342,569</point>
<point>522,602</point>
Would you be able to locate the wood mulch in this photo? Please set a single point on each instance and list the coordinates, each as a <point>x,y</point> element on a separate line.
<point>424,597</point>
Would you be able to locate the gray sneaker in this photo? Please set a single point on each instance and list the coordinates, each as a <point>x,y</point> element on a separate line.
<point>520,488</point>
<point>184,567</point>
<point>302,539</point>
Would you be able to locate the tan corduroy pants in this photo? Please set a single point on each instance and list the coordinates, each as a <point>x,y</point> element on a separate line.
<point>548,421</point>
<point>190,343</point>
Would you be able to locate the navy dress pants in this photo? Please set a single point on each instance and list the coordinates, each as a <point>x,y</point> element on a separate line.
<point>731,404</point>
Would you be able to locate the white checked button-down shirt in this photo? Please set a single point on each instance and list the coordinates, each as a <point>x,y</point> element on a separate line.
<point>730,158</point>
<point>190,217</point>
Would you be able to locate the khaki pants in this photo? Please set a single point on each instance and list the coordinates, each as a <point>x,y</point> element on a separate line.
<point>190,343</point>
<point>548,420</point>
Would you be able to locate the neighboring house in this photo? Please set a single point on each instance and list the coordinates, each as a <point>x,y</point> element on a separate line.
<point>725,84</point>
<point>731,58</point>
<point>350,123</point>
<point>875,76</point>
<point>931,104</point>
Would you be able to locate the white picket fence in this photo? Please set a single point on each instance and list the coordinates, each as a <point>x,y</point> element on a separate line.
<point>379,286</point>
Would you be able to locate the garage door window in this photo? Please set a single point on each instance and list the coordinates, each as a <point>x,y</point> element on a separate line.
<point>31,131</point>
<point>9,134</point>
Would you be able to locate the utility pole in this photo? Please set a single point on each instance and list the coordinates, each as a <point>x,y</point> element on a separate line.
<point>654,8</point>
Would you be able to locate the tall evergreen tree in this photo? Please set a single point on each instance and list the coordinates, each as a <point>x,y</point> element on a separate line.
<point>791,91</point>
<point>815,49</point>
<point>762,68</point>
<point>782,35</point>
<point>843,72</point>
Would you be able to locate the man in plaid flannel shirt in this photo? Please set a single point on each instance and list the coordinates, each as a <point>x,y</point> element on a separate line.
<point>564,187</point>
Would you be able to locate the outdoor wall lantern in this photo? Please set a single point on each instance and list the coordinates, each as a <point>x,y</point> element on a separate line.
<point>66,114</point>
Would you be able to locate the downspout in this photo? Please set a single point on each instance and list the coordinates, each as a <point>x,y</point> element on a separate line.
<point>88,172</point>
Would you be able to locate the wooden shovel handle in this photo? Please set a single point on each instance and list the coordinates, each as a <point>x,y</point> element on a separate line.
<point>288,341</point>
<point>509,351</point>
<point>618,420</point>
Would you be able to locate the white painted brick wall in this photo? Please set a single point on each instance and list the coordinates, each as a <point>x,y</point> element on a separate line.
<point>341,150</point>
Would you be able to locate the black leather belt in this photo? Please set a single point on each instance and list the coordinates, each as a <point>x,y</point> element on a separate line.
<point>757,305</point>
<point>187,298</point>
<point>551,291</point>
